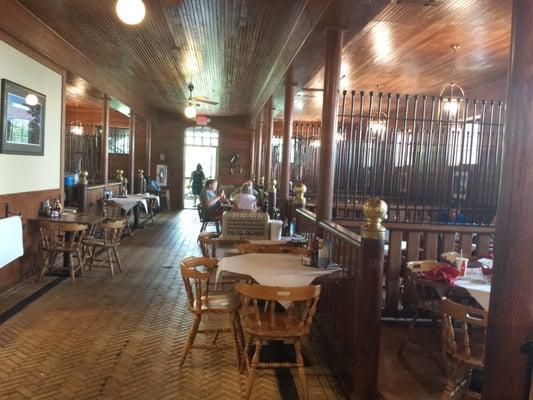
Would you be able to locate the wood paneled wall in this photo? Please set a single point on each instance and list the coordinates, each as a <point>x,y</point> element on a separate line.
<point>27,204</point>
<point>168,139</point>
<point>94,116</point>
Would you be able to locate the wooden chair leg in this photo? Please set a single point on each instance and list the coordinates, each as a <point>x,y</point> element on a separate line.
<point>81,264</point>
<point>408,336</point>
<point>245,361</point>
<point>72,270</point>
<point>253,367</point>
<point>110,260</point>
<point>301,369</point>
<point>119,263</point>
<point>190,340</point>
<point>236,345</point>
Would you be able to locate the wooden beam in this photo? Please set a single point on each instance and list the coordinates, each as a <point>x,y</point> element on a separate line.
<point>132,152</point>
<point>259,158</point>
<point>149,148</point>
<point>287,139</point>
<point>268,141</point>
<point>510,322</point>
<point>104,161</point>
<point>326,173</point>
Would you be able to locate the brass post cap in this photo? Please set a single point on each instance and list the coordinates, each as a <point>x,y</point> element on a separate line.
<point>84,176</point>
<point>374,211</point>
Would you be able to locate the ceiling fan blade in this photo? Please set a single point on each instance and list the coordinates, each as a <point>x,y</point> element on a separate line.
<point>204,100</point>
<point>308,89</point>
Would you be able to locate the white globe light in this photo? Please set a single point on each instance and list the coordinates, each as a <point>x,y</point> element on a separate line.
<point>451,106</point>
<point>190,111</point>
<point>130,12</point>
<point>32,100</point>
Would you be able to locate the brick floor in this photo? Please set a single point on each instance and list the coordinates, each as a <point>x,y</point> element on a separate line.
<point>122,338</point>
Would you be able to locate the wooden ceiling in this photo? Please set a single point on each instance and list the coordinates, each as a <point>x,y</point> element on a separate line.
<point>405,49</point>
<point>225,48</point>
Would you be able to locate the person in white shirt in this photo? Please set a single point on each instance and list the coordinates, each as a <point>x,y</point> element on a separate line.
<point>245,200</point>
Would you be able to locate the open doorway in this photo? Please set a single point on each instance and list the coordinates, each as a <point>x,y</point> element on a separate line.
<point>201,147</point>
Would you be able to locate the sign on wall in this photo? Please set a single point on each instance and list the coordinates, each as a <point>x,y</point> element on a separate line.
<point>161,174</point>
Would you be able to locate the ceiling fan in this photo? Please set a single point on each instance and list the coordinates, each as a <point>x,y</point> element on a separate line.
<point>198,99</point>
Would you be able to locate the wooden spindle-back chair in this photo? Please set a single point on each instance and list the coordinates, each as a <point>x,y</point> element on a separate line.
<point>110,233</point>
<point>417,297</point>
<point>264,322</point>
<point>62,238</point>
<point>208,243</point>
<point>196,273</point>
<point>111,210</point>
<point>271,248</point>
<point>463,337</point>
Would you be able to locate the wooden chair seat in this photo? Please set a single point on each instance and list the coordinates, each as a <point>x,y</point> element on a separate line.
<point>196,273</point>
<point>278,326</point>
<point>263,323</point>
<point>111,232</point>
<point>218,303</point>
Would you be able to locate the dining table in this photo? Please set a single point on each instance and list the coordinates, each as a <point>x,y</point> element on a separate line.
<point>132,202</point>
<point>75,218</point>
<point>280,270</point>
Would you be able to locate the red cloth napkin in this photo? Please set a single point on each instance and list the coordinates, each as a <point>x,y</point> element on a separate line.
<point>442,273</point>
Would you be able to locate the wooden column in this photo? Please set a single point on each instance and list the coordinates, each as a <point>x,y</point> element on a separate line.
<point>268,141</point>
<point>368,301</point>
<point>132,152</point>
<point>252,151</point>
<point>287,139</point>
<point>149,148</point>
<point>326,173</point>
<point>510,323</point>
<point>259,158</point>
<point>104,160</point>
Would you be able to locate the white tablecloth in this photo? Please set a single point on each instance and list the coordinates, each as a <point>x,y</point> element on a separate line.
<point>479,290</point>
<point>130,201</point>
<point>146,196</point>
<point>282,270</point>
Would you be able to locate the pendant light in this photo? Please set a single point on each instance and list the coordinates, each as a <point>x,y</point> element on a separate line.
<point>31,100</point>
<point>452,93</point>
<point>76,127</point>
<point>190,111</point>
<point>130,12</point>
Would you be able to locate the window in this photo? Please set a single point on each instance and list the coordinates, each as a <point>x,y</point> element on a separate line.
<point>463,146</point>
<point>119,141</point>
<point>18,130</point>
<point>201,136</point>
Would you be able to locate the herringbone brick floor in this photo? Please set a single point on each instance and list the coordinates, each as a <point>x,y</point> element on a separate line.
<point>122,338</point>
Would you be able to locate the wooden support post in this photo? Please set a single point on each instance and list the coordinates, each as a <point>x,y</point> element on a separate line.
<point>259,158</point>
<point>253,128</point>
<point>272,193</point>
<point>287,140</point>
<point>104,160</point>
<point>510,322</point>
<point>268,140</point>
<point>148,148</point>
<point>140,184</point>
<point>326,173</point>
<point>368,301</point>
<point>132,152</point>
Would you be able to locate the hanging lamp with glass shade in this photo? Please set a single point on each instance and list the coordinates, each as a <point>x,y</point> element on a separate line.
<point>378,125</point>
<point>131,12</point>
<point>452,93</point>
<point>76,127</point>
<point>190,111</point>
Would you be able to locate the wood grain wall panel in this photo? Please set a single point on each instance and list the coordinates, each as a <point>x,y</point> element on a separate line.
<point>27,204</point>
<point>96,193</point>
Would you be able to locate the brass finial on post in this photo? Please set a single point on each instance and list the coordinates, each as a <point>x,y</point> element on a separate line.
<point>375,211</point>
<point>273,186</point>
<point>262,182</point>
<point>84,177</point>
<point>120,175</point>
<point>299,195</point>
<point>140,172</point>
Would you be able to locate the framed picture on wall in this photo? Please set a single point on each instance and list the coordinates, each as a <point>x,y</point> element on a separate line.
<point>161,174</point>
<point>22,123</point>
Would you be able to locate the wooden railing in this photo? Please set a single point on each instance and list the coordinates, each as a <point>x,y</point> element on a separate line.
<point>411,242</point>
<point>349,307</point>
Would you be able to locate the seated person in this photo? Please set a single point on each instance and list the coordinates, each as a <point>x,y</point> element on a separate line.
<point>453,215</point>
<point>245,200</point>
<point>211,200</point>
<point>254,192</point>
